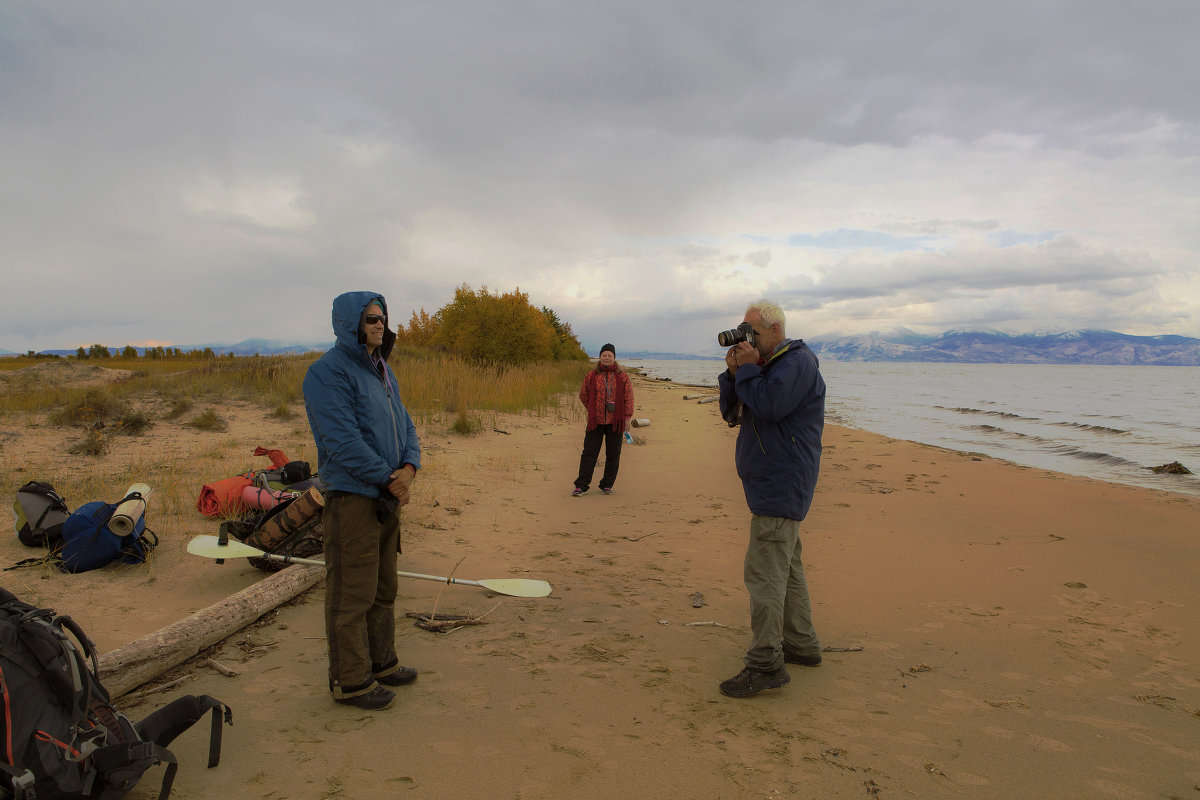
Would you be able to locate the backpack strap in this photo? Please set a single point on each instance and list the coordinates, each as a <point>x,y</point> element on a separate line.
<point>22,781</point>
<point>123,764</point>
<point>175,717</point>
<point>138,550</point>
<point>36,561</point>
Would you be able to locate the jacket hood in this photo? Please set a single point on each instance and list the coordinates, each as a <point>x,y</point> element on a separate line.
<point>348,309</point>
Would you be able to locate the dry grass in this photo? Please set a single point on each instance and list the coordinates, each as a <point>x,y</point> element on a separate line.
<point>208,421</point>
<point>438,389</point>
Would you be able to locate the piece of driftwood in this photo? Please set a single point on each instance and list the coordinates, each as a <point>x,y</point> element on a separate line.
<point>444,623</point>
<point>712,399</point>
<point>132,665</point>
<point>162,687</point>
<point>219,667</point>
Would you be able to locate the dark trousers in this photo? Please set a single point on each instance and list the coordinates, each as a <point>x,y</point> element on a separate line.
<point>591,448</point>
<point>360,592</point>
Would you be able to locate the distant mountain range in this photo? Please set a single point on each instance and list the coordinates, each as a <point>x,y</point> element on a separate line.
<point>975,347</point>
<point>992,347</point>
<point>249,347</point>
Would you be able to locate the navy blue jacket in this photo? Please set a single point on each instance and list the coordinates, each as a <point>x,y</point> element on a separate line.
<point>362,429</point>
<point>778,452</point>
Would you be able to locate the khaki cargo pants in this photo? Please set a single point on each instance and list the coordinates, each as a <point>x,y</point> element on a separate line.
<point>780,610</point>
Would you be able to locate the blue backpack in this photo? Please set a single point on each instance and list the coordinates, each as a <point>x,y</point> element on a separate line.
<point>89,544</point>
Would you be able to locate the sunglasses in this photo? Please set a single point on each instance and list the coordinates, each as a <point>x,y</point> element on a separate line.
<point>371,319</point>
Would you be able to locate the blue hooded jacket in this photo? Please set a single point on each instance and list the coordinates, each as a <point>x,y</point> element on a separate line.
<point>778,453</point>
<point>362,429</point>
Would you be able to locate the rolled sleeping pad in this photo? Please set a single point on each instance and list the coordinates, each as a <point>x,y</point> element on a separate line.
<point>126,515</point>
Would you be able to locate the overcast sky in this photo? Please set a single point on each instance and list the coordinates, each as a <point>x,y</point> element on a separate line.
<point>187,173</point>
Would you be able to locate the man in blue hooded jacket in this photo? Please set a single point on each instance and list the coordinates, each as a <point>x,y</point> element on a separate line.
<point>367,457</point>
<point>773,388</point>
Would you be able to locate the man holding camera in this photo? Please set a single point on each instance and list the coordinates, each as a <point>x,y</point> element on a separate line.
<point>773,388</point>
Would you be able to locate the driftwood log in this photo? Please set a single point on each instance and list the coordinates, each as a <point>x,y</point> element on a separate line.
<point>712,399</point>
<point>132,665</point>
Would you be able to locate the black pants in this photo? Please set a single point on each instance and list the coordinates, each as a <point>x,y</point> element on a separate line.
<point>591,448</point>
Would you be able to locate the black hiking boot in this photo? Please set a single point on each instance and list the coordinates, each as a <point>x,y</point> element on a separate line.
<point>401,677</point>
<point>804,660</point>
<point>752,681</point>
<point>377,699</point>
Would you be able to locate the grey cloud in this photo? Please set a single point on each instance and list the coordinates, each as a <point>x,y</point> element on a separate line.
<point>289,149</point>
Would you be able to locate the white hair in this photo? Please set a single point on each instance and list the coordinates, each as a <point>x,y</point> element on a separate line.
<point>771,314</point>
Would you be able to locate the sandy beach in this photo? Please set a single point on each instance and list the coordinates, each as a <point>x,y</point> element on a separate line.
<point>992,631</point>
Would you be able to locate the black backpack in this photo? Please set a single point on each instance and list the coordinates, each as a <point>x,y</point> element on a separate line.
<point>60,736</point>
<point>40,513</point>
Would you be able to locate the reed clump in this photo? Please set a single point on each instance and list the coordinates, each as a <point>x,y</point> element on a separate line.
<point>94,443</point>
<point>179,407</point>
<point>208,421</point>
<point>135,422</point>
<point>88,407</point>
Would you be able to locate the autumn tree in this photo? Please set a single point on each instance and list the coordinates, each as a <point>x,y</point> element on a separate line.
<point>129,352</point>
<point>497,328</point>
<point>421,331</point>
<point>566,345</point>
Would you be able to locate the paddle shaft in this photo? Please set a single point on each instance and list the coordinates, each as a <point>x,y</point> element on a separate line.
<point>313,562</point>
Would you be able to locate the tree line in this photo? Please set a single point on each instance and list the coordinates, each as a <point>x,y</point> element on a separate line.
<point>129,351</point>
<point>478,326</point>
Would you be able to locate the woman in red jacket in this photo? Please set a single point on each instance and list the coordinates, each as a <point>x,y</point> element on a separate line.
<point>608,397</point>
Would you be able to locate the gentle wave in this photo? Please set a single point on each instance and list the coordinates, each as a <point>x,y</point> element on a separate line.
<point>1004,414</point>
<point>1099,458</point>
<point>1011,434</point>
<point>1092,428</point>
<point>1105,423</point>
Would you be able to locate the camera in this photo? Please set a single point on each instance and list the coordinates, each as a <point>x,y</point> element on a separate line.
<point>742,333</point>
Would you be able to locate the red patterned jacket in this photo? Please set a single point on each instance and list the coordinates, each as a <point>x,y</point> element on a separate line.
<point>602,385</point>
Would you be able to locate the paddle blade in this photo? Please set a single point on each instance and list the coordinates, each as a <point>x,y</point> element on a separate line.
<point>517,587</point>
<point>210,547</point>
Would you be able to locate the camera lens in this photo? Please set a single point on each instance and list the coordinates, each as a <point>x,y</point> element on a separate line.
<point>730,338</point>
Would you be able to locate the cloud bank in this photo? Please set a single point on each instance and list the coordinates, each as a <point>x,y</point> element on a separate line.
<point>219,172</point>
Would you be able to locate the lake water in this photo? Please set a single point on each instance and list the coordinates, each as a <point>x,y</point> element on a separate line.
<point>1112,423</point>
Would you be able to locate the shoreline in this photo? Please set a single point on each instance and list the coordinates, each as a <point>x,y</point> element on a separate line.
<point>1023,632</point>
